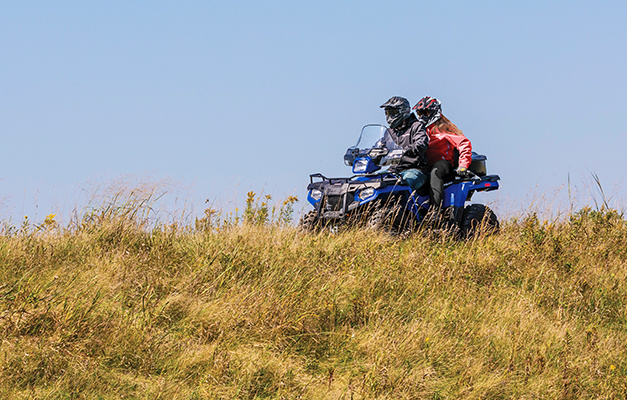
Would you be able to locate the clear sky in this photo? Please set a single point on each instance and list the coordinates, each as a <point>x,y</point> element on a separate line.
<point>231,96</point>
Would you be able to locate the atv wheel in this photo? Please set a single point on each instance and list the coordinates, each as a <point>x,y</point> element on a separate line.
<point>478,218</point>
<point>309,222</point>
<point>389,219</point>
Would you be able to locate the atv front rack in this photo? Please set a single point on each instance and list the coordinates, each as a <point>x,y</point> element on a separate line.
<point>333,181</point>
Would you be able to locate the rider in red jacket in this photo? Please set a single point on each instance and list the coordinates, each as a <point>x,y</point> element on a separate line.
<point>449,152</point>
<point>456,149</point>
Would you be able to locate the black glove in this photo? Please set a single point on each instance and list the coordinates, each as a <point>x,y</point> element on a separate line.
<point>463,172</point>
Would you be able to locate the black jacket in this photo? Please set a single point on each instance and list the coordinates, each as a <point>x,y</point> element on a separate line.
<point>412,137</point>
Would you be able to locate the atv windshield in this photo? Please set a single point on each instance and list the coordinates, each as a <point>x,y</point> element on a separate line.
<point>375,136</point>
<point>375,142</point>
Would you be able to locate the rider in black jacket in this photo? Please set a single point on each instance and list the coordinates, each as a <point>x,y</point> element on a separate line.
<point>409,133</point>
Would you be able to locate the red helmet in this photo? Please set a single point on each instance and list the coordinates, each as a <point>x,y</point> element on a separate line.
<point>429,109</point>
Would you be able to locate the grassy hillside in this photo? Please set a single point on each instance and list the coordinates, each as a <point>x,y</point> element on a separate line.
<point>114,307</point>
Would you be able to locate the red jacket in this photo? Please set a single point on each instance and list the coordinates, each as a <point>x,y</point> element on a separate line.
<point>442,147</point>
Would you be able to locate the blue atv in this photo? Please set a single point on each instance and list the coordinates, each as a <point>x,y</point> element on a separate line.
<point>378,199</point>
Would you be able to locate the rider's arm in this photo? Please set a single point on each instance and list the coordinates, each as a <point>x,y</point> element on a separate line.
<point>464,147</point>
<point>419,139</point>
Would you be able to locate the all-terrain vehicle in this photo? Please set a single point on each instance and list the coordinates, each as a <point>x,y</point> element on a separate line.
<point>379,199</point>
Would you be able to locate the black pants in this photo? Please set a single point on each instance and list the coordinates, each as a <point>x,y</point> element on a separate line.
<point>441,172</point>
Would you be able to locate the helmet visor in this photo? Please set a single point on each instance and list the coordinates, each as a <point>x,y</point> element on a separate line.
<point>392,112</point>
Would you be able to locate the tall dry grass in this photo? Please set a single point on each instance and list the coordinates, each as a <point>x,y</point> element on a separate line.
<point>116,305</point>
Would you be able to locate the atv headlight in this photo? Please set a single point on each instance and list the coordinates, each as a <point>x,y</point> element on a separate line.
<point>361,164</point>
<point>365,194</point>
<point>315,194</point>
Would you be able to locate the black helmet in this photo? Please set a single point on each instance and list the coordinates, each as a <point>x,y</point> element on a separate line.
<point>429,109</point>
<point>397,109</point>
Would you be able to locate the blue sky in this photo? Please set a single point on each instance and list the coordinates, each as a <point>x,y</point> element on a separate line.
<point>227,97</point>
